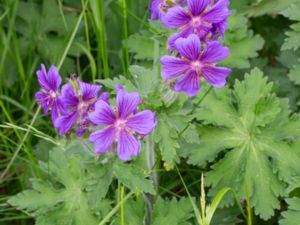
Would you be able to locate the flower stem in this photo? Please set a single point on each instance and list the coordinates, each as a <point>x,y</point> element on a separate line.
<point>122,206</point>
<point>149,199</point>
<point>151,161</point>
<point>195,107</point>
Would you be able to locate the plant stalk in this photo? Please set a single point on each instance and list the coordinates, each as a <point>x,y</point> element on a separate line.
<point>150,199</point>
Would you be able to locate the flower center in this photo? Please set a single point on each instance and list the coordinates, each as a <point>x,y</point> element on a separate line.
<point>83,106</point>
<point>120,124</point>
<point>52,94</point>
<point>163,6</point>
<point>196,65</point>
<point>196,21</point>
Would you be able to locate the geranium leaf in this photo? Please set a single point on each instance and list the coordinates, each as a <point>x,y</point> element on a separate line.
<point>253,132</point>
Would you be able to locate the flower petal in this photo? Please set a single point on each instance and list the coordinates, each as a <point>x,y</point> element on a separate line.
<point>128,145</point>
<point>218,12</point>
<point>203,30</point>
<point>216,76</point>
<point>189,84</point>
<point>43,99</point>
<point>197,6</point>
<point>66,122</point>
<point>50,81</point>
<point>154,9</point>
<point>54,78</point>
<point>105,97</point>
<point>220,28</point>
<point>184,33</point>
<point>69,97</point>
<point>54,112</point>
<point>103,114</point>
<point>173,67</point>
<point>127,103</point>
<point>89,91</point>
<point>213,53</point>
<point>176,17</point>
<point>142,122</point>
<point>103,139</point>
<point>189,47</point>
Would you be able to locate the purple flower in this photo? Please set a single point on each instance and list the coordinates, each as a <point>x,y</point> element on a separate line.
<point>78,99</point>
<point>48,98</point>
<point>159,7</point>
<point>195,64</point>
<point>202,17</point>
<point>123,126</point>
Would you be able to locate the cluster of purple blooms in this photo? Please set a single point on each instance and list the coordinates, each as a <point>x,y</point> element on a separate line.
<point>79,106</point>
<point>200,23</point>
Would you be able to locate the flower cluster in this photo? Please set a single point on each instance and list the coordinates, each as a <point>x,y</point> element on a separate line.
<point>200,24</point>
<point>79,106</point>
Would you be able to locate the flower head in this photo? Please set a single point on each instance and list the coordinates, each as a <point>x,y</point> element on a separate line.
<point>48,97</point>
<point>123,126</point>
<point>205,18</point>
<point>195,64</point>
<point>158,8</point>
<point>78,99</point>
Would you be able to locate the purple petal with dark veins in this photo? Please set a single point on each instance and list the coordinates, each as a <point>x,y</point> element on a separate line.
<point>189,47</point>
<point>127,103</point>
<point>216,76</point>
<point>176,17</point>
<point>50,81</point>
<point>43,100</point>
<point>89,91</point>
<point>103,139</point>
<point>154,9</point>
<point>128,145</point>
<point>189,84</point>
<point>143,122</point>
<point>184,33</point>
<point>69,97</point>
<point>66,122</point>
<point>213,53</point>
<point>173,67</point>
<point>218,12</point>
<point>197,6</point>
<point>103,114</point>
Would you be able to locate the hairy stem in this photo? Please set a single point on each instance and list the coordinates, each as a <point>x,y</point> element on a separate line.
<point>149,199</point>
<point>195,107</point>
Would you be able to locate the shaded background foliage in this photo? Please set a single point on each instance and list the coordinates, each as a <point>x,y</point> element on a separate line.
<point>114,34</point>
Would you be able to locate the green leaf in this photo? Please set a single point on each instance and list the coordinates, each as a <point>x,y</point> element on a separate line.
<point>293,37</point>
<point>263,7</point>
<point>254,134</point>
<point>142,45</point>
<point>99,181</point>
<point>133,177</point>
<point>61,202</point>
<point>241,41</point>
<point>172,212</point>
<point>292,215</point>
<point>294,74</point>
<point>167,139</point>
<point>145,81</point>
